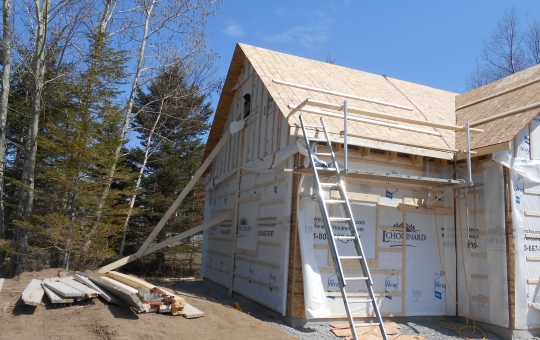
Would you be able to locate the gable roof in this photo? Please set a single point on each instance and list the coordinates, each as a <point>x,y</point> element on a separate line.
<point>290,80</point>
<point>424,103</point>
<point>516,93</point>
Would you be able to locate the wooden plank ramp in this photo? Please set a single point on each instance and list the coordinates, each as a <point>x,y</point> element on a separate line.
<point>55,298</point>
<point>33,293</point>
<point>79,276</point>
<point>63,289</point>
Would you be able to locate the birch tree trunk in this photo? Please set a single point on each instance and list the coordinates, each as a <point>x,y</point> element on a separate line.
<point>26,202</point>
<point>139,179</point>
<point>6,62</point>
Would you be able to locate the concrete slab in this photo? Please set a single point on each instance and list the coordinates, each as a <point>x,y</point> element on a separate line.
<point>33,293</point>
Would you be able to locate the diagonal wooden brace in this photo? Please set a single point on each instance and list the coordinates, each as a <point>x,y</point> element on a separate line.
<point>167,242</point>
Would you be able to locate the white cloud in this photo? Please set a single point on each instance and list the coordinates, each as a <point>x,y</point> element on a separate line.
<point>306,36</point>
<point>234,30</point>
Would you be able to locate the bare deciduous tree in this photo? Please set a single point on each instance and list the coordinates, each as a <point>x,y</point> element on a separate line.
<point>6,72</point>
<point>508,51</point>
<point>158,23</point>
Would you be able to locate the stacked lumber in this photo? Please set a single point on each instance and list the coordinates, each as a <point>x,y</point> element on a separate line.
<point>116,288</point>
<point>373,332</point>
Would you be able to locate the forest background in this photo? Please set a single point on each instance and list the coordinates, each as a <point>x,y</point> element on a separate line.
<point>104,110</point>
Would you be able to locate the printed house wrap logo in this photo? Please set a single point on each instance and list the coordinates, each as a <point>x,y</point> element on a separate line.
<point>391,285</point>
<point>496,238</point>
<point>439,285</point>
<point>396,237</point>
<point>243,227</point>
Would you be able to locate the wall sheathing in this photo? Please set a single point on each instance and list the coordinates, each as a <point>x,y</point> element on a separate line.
<point>523,163</point>
<point>408,248</point>
<point>261,245</point>
<point>481,247</point>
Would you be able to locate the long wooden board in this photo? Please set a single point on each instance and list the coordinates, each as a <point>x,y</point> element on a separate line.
<point>82,278</point>
<point>33,293</point>
<point>70,281</point>
<point>121,285</point>
<point>55,298</point>
<point>130,280</point>
<point>190,312</point>
<point>126,296</point>
<point>63,289</point>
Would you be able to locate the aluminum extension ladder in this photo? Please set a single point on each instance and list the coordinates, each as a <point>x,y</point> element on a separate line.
<point>333,170</point>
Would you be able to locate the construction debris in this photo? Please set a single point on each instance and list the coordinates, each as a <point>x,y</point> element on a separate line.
<point>116,288</point>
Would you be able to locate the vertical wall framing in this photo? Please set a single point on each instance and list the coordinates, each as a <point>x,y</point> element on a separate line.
<point>510,250</point>
<point>243,270</point>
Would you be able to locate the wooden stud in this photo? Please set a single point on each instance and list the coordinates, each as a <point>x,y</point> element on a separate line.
<point>365,152</point>
<point>532,213</point>
<point>440,163</point>
<point>416,159</point>
<point>392,156</point>
<point>480,299</point>
<point>235,211</point>
<point>510,250</point>
<point>404,263</point>
<point>479,277</point>
<point>532,235</point>
<point>533,258</point>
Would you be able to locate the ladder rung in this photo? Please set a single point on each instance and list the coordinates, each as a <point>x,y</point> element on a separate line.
<point>357,278</point>
<point>344,237</point>
<point>326,169</point>
<point>339,219</point>
<point>350,257</point>
<point>330,185</point>
<point>314,126</point>
<point>367,324</point>
<point>334,201</point>
<point>317,140</point>
<point>322,154</point>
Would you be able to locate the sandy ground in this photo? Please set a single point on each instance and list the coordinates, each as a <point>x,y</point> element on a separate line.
<point>96,319</point>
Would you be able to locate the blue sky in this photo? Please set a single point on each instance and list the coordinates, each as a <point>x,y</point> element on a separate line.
<point>434,43</point>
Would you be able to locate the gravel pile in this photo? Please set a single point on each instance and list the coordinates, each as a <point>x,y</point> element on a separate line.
<point>429,330</point>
